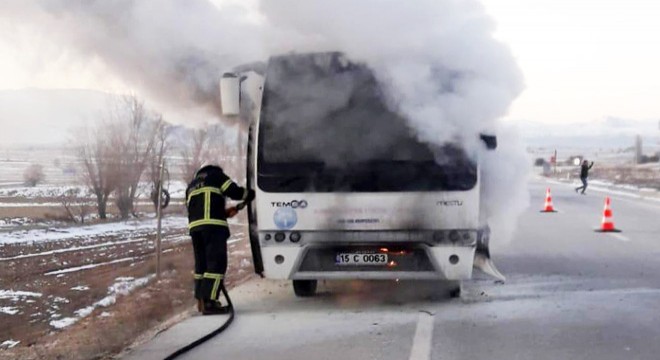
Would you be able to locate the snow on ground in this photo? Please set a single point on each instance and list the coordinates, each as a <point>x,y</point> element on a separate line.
<point>8,344</point>
<point>177,190</point>
<point>13,222</point>
<point>122,286</point>
<point>69,249</point>
<point>89,266</point>
<point>62,323</point>
<point>9,310</point>
<point>36,191</point>
<point>80,288</point>
<point>104,229</point>
<point>16,295</point>
<point>30,204</point>
<point>625,190</point>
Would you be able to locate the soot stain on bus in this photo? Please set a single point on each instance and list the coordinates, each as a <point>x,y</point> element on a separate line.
<point>326,126</point>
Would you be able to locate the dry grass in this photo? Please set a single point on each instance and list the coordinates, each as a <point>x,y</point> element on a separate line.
<point>96,337</point>
<point>57,212</point>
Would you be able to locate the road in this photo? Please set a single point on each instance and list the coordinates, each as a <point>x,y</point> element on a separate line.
<point>571,293</point>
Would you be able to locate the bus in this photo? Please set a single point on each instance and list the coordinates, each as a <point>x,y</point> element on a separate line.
<point>344,187</point>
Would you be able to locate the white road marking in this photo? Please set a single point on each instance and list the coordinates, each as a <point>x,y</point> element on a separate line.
<point>421,347</point>
<point>619,236</point>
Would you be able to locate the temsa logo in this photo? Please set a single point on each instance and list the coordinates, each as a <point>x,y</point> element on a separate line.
<point>295,204</point>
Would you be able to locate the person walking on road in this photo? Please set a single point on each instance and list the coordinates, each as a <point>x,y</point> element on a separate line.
<point>584,174</point>
<point>207,223</point>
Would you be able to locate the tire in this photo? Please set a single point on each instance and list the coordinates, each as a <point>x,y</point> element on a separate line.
<point>455,292</point>
<point>455,289</point>
<point>304,288</point>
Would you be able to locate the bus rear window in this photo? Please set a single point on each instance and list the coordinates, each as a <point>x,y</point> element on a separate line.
<point>325,126</point>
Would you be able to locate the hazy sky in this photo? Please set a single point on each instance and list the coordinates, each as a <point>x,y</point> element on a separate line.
<point>582,60</point>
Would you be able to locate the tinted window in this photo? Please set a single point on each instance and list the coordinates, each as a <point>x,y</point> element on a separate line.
<point>325,126</point>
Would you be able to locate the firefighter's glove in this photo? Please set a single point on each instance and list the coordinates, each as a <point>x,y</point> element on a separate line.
<point>231,212</point>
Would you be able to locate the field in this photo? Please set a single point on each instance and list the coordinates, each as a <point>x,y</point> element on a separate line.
<point>81,291</point>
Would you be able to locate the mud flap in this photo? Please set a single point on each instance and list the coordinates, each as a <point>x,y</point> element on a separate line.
<point>482,260</point>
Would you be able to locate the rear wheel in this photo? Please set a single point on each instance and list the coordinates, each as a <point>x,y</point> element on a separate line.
<point>454,289</point>
<point>304,288</point>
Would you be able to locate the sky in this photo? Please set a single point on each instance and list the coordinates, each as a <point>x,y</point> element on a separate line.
<point>582,60</point>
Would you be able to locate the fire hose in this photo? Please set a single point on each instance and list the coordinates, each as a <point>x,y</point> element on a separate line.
<point>230,212</point>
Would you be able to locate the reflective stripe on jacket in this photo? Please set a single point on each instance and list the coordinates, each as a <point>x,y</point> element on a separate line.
<point>205,197</point>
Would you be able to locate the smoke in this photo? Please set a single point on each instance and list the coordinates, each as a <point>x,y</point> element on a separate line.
<point>441,68</point>
<point>505,174</point>
<point>171,51</point>
<point>436,59</point>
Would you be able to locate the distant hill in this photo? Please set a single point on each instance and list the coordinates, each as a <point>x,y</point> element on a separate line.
<point>606,133</point>
<point>46,116</point>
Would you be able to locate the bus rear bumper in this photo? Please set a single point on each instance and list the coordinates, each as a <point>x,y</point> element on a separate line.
<point>418,262</point>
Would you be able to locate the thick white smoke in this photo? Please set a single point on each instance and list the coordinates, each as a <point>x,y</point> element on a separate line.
<point>437,59</point>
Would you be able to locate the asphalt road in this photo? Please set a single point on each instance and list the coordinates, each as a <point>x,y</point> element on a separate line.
<point>571,293</point>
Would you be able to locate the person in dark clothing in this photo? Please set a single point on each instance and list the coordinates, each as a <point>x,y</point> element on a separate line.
<point>584,174</point>
<point>207,223</point>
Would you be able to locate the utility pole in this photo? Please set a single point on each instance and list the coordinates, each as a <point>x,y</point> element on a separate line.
<point>159,215</point>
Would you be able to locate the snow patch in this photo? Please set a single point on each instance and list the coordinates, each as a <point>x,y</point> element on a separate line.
<point>96,230</point>
<point>8,344</point>
<point>12,222</point>
<point>62,323</point>
<point>122,286</point>
<point>80,288</point>
<point>127,284</point>
<point>84,311</point>
<point>16,295</point>
<point>9,310</point>
<point>85,267</point>
<point>30,205</point>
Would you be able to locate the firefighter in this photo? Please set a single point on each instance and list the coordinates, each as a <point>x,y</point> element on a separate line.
<point>207,223</point>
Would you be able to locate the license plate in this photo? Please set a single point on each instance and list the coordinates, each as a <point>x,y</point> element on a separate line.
<point>361,259</point>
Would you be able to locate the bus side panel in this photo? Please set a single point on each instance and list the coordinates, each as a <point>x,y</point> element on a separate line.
<point>368,211</point>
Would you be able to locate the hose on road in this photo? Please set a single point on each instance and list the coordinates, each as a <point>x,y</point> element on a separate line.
<point>210,335</point>
<point>231,212</point>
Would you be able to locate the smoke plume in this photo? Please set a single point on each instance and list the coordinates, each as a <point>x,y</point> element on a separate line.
<point>437,59</point>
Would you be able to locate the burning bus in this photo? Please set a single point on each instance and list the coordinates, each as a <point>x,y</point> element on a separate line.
<point>345,189</point>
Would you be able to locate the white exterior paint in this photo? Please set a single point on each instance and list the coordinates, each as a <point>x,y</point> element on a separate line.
<point>350,212</point>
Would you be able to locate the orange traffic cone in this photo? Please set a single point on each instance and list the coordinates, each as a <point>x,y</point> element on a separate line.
<point>607,225</point>
<point>548,203</point>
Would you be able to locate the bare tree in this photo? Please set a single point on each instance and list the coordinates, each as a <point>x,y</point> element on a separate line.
<point>75,204</point>
<point>95,154</point>
<point>161,148</point>
<point>115,153</point>
<point>194,153</point>
<point>133,135</point>
<point>33,175</point>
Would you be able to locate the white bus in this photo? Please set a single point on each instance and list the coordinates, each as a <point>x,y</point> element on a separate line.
<point>344,190</point>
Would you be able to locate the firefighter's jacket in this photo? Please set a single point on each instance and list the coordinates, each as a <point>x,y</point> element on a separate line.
<point>205,198</point>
